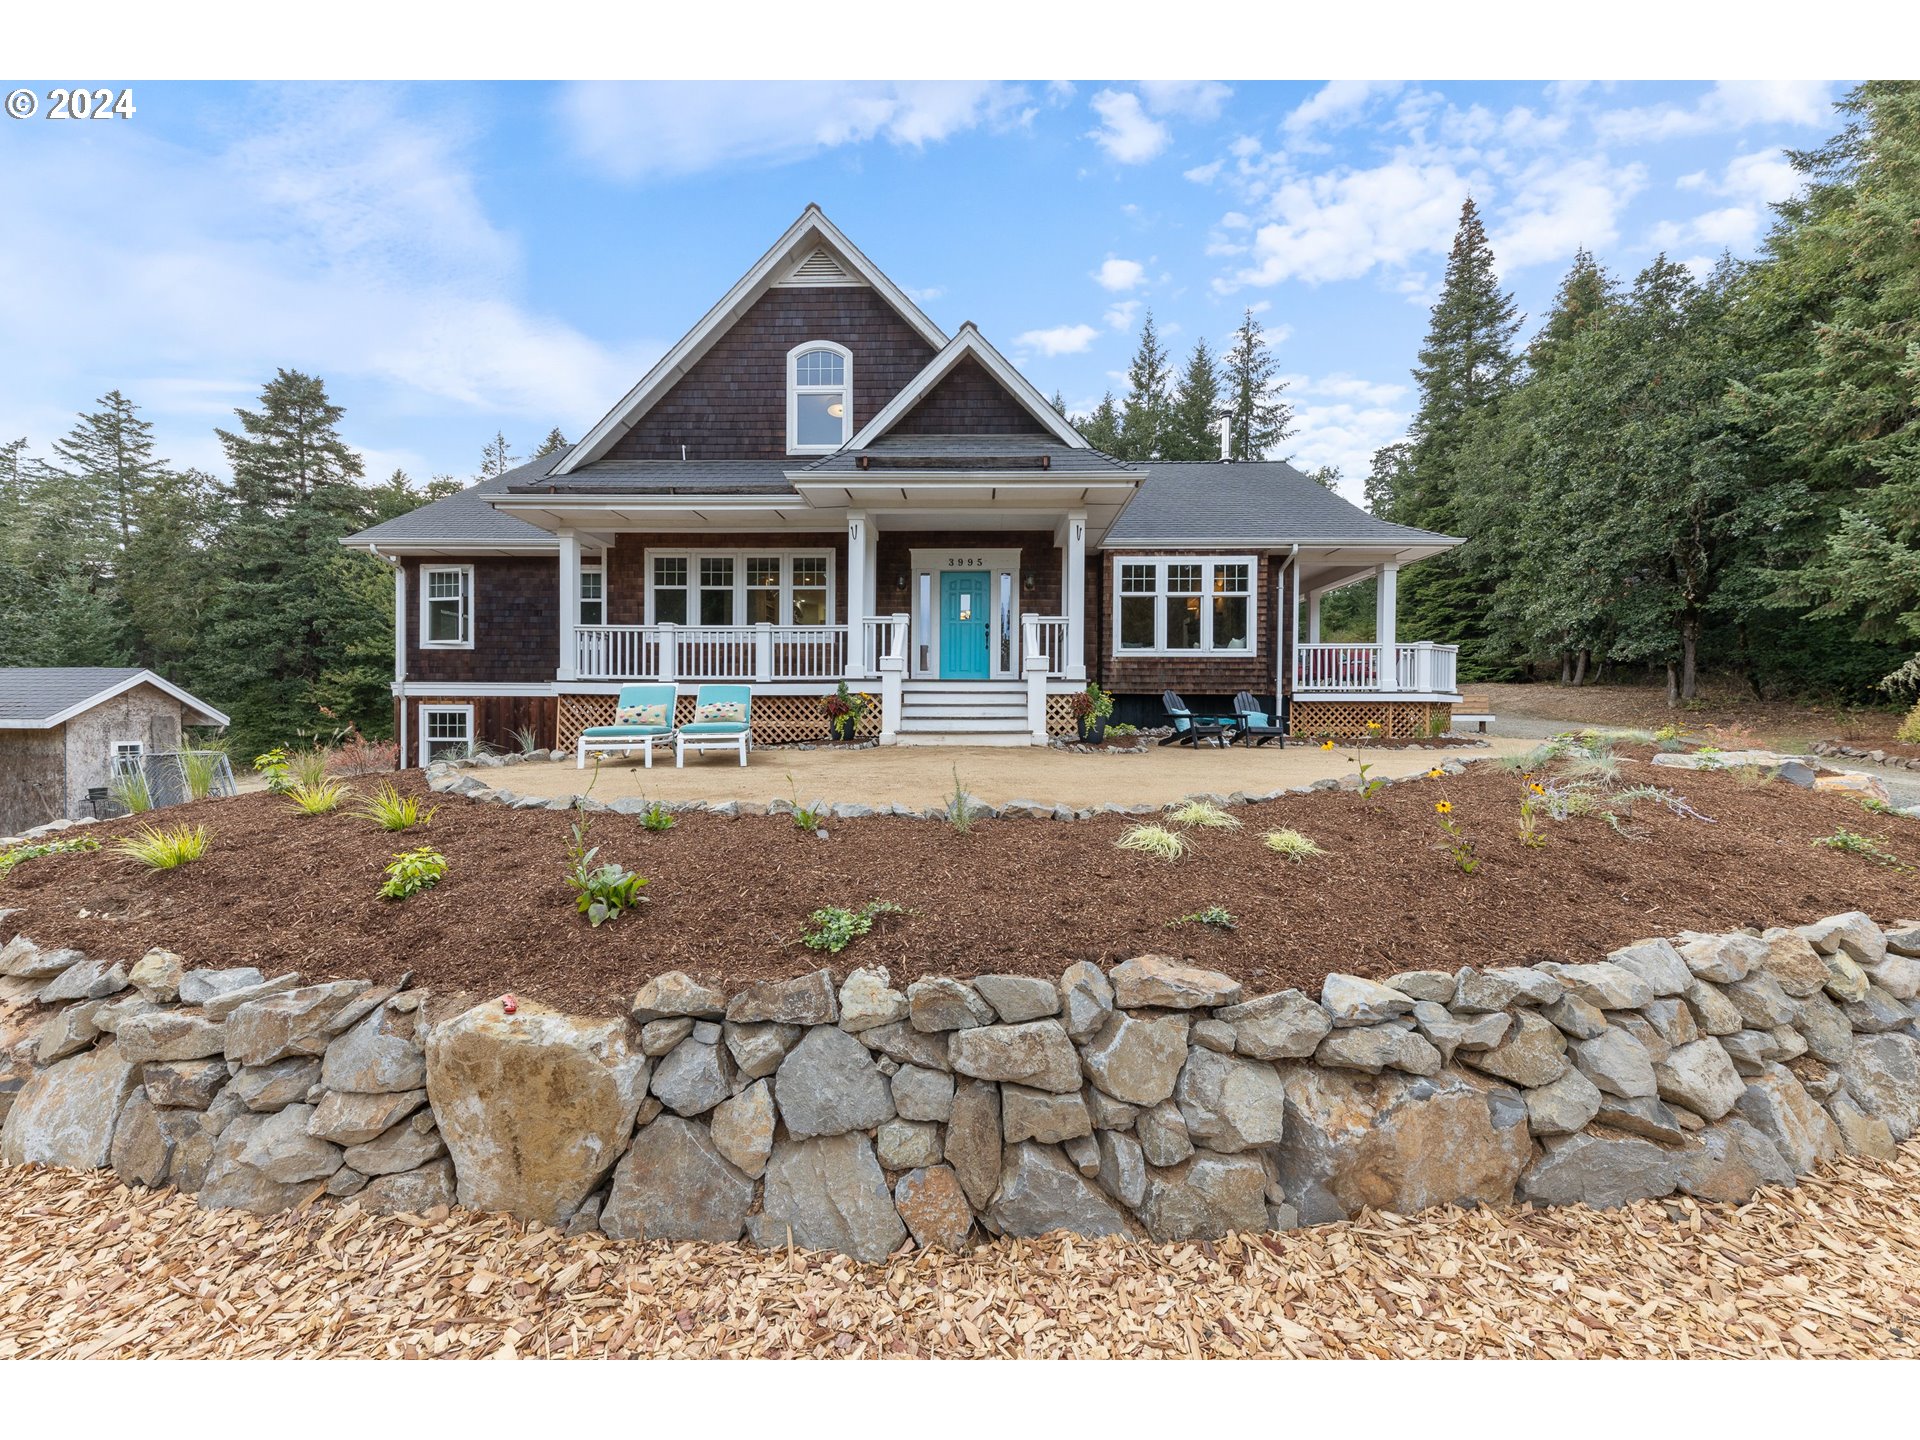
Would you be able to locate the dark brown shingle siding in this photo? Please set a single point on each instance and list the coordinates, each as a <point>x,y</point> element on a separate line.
<point>968,401</point>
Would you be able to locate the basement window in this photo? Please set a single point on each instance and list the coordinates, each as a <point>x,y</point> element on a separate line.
<point>445,730</point>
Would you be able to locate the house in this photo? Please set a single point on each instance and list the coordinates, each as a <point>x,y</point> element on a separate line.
<point>819,483</point>
<point>62,731</point>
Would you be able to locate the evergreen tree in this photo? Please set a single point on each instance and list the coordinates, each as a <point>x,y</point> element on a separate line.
<point>1327,476</point>
<point>1252,392</point>
<point>1059,403</point>
<point>1101,429</point>
<point>1143,415</point>
<point>1195,410</point>
<point>295,620</point>
<point>109,455</point>
<point>1387,476</point>
<point>554,441</point>
<point>1586,294</point>
<point>497,458</point>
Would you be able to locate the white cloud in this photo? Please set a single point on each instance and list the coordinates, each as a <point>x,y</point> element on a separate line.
<point>1728,105</point>
<point>1340,224</point>
<point>1120,317</point>
<point>1333,105</point>
<point>1204,174</point>
<point>1127,132</point>
<point>1193,99</point>
<point>1560,204</point>
<point>345,236</point>
<point>641,130</point>
<point>926,293</point>
<point>1060,340</point>
<point>1341,386</point>
<point>1116,274</point>
<point>1340,420</point>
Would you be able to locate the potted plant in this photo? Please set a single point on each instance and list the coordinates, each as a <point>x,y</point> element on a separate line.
<point>843,710</point>
<point>1091,707</point>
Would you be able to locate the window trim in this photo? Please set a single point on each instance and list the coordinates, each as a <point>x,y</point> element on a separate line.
<point>467,607</point>
<point>426,744</point>
<point>795,390</point>
<point>599,570</point>
<point>1207,649</point>
<point>739,557</point>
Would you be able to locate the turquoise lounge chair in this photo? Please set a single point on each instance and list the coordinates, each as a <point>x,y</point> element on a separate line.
<point>643,714</point>
<point>722,720</point>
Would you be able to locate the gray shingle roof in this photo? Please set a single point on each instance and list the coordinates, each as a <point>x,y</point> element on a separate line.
<point>902,453</point>
<point>30,698</point>
<point>1263,502</point>
<point>465,518</point>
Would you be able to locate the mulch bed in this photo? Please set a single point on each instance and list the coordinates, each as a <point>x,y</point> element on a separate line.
<point>728,898</point>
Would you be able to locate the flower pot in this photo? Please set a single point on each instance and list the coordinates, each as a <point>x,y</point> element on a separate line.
<point>1093,729</point>
<point>843,727</point>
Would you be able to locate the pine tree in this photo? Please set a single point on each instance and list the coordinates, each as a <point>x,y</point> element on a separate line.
<point>1327,476</point>
<point>1101,429</point>
<point>288,451</point>
<point>497,458</point>
<point>1195,410</point>
<point>1387,477</point>
<point>1143,415</point>
<point>1261,419</point>
<point>109,455</point>
<point>1586,294</point>
<point>554,441</point>
<point>1059,403</point>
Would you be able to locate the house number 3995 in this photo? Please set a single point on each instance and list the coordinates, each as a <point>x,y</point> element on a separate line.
<point>956,562</point>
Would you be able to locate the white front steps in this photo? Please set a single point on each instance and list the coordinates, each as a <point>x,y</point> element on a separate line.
<point>963,712</point>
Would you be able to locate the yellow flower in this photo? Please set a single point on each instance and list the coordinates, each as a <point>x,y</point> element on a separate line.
<point>1435,773</point>
<point>1443,807</point>
<point>1536,787</point>
<point>1326,744</point>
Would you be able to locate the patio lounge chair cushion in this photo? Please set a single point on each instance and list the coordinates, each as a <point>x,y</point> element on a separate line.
<point>731,712</point>
<point>623,732</point>
<point>652,716</point>
<point>714,727</point>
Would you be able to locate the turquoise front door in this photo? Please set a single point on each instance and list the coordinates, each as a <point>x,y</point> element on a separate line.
<point>963,624</point>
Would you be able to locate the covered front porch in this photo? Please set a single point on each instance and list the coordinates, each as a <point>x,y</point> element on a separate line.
<point>1385,667</point>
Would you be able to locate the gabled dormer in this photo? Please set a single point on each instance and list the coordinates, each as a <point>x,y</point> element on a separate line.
<point>811,343</point>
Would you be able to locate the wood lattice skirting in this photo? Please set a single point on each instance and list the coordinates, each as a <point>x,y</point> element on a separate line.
<point>1347,719</point>
<point>777,719</point>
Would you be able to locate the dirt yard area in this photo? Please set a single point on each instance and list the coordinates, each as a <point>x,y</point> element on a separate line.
<point>921,776</point>
<point>728,898</point>
<point>1726,713</point>
<point>1830,1268</point>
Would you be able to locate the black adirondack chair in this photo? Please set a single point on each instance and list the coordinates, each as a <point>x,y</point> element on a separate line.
<point>1191,729</point>
<point>1255,723</point>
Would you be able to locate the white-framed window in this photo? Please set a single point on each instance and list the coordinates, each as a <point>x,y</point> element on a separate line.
<point>740,587</point>
<point>819,397</point>
<point>446,607</point>
<point>445,729</point>
<point>129,749</point>
<point>1185,605</point>
<point>593,595</point>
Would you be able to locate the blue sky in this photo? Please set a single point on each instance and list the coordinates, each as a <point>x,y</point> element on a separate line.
<point>456,258</point>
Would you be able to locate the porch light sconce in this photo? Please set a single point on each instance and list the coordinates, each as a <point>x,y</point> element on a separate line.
<point>900,581</point>
<point>1029,584</point>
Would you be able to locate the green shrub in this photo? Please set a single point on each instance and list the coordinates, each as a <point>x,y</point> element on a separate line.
<point>1850,843</point>
<point>413,871</point>
<point>656,817</point>
<point>310,767</point>
<point>807,817</point>
<point>318,797</point>
<point>391,810</point>
<point>164,849</point>
<point>272,767</point>
<point>834,927</point>
<point>20,854</point>
<point>1909,731</point>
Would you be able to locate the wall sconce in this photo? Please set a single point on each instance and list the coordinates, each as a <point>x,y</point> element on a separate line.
<point>1029,583</point>
<point>900,581</point>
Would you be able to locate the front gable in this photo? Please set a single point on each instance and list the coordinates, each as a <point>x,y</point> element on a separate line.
<point>968,401</point>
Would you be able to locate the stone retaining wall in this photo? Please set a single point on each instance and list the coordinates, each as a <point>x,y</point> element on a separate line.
<point>843,1113</point>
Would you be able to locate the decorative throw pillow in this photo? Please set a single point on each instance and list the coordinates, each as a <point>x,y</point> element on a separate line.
<point>719,710</point>
<point>641,715</point>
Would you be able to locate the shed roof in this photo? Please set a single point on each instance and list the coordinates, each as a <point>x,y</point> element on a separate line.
<point>33,698</point>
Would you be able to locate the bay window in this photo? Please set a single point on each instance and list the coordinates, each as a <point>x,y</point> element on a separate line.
<point>1184,605</point>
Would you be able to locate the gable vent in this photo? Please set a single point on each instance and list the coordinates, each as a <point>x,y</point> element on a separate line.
<point>819,268</point>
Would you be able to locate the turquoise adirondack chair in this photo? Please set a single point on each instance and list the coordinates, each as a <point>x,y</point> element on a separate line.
<point>643,714</point>
<point>722,720</point>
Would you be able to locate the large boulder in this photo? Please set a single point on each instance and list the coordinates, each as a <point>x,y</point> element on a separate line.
<point>803,1000</point>
<point>1657,963</point>
<point>1018,998</point>
<point>868,999</point>
<point>921,1094</point>
<point>284,1149</point>
<point>410,1192</point>
<point>141,1147</point>
<point>829,1085</point>
<point>1160,982</point>
<point>1486,991</point>
<point>1028,1114</point>
<point>1616,1062</point>
<point>404,1147</point>
<point>1397,1142</point>
<point>376,1057</point>
<point>349,1119</point>
<point>743,1128</point>
<point>1602,984</point>
<point>171,1035</point>
<point>1883,1077</point>
<point>184,1084</point>
<point>1779,1107</point>
<point>1086,999</point>
<point>974,1143</point>
<point>1793,962</point>
<point>1374,1048</point>
<point>1137,1059</point>
<point>1701,1077</point>
<point>1351,1000</point>
<point>535,1107</point>
<point>265,1088</point>
<point>1205,1197</point>
<point>21,958</point>
<point>1285,1026</point>
<point>85,979</point>
<point>693,1077</point>
<point>1852,934</point>
<point>758,1049</point>
<point>1599,1170</point>
<point>1230,1104</point>
<point>1565,1107</point>
<point>937,1004</point>
<point>676,994</point>
<point>233,1182</point>
<point>934,1206</point>
<point>1532,1054</point>
<point>65,1114</point>
<point>1730,1162</point>
<point>828,1194</point>
<point>1040,1191</point>
<point>674,1184</point>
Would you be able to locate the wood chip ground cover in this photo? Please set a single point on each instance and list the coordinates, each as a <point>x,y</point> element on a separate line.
<point>728,898</point>
<point>1830,1268</point>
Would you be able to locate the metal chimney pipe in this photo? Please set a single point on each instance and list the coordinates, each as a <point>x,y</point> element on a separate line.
<point>1226,437</point>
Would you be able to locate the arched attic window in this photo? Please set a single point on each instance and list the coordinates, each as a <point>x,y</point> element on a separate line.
<point>819,397</point>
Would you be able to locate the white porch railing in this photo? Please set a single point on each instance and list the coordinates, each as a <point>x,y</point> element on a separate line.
<point>710,652</point>
<point>1423,668</point>
<point>1046,635</point>
<point>881,636</point>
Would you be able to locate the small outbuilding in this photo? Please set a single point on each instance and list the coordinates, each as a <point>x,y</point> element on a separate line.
<point>62,731</point>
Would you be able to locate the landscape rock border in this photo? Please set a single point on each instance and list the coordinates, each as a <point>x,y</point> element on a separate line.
<point>840,1113</point>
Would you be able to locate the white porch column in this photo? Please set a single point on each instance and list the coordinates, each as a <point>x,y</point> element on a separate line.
<point>569,604</point>
<point>893,669</point>
<point>1075,591</point>
<point>1386,600</point>
<point>1313,619</point>
<point>858,570</point>
<point>1034,666</point>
